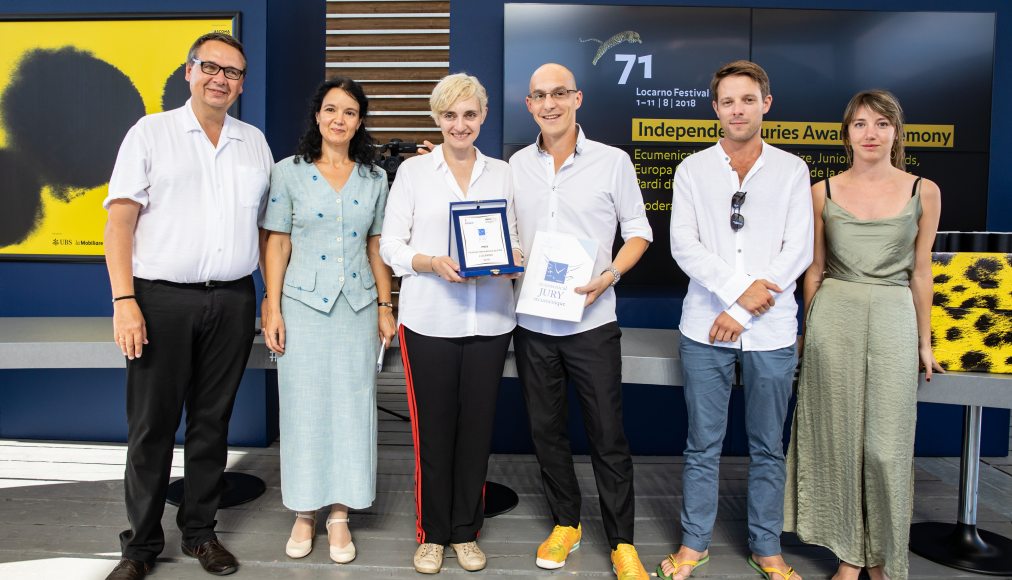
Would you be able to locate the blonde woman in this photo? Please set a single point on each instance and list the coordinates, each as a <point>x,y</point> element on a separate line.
<point>454,331</point>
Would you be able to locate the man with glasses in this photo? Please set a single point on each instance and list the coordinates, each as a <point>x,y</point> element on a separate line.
<point>569,184</point>
<point>185,200</point>
<point>741,229</point>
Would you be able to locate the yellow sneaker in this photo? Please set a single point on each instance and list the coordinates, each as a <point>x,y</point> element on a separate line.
<point>625,562</point>
<point>553,551</point>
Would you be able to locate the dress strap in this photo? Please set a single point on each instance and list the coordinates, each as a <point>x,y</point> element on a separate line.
<point>913,190</point>
<point>829,194</point>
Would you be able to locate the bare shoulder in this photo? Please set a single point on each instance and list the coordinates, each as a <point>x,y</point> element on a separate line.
<point>930,190</point>
<point>818,194</point>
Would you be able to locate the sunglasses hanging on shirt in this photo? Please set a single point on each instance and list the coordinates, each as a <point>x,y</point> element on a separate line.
<point>737,200</point>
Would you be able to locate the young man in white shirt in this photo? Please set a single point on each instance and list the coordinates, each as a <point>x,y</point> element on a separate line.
<point>567,183</point>
<point>185,200</point>
<point>741,229</point>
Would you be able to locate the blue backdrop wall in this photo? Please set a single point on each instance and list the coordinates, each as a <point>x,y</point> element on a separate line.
<point>285,49</point>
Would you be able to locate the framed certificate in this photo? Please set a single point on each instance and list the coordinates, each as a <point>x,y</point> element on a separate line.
<point>480,238</point>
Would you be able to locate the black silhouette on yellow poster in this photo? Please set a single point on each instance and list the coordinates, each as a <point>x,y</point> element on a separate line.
<point>69,91</point>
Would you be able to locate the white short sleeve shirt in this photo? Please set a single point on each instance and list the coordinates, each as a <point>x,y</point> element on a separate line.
<point>200,204</point>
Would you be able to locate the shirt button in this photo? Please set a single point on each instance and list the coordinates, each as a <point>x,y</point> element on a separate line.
<point>339,239</point>
<point>354,234</point>
<point>274,199</point>
<point>355,202</point>
<point>340,259</point>
<point>354,275</point>
<point>319,215</point>
<point>315,177</point>
<point>323,257</point>
<point>739,251</point>
<point>340,279</point>
<point>326,300</point>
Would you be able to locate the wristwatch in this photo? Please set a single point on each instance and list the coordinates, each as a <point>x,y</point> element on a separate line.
<point>615,273</point>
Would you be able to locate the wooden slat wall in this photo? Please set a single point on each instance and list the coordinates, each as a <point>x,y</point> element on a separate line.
<point>397,49</point>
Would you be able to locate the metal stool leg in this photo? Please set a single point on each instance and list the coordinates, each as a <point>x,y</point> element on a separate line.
<point>962,545</point>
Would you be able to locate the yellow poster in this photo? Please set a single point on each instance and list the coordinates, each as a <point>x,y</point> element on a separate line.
<point>69,91</point>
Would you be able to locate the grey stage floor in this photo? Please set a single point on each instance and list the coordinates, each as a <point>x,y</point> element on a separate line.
<point>61,509</point>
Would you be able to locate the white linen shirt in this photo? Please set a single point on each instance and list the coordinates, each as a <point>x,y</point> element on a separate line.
<point>775,244</point>
<point>200,204</point>
<point>417,221</point>
<point>594,192</point>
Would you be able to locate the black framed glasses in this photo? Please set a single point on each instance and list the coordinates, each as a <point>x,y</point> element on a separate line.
<point>212,68</point>
<point>557,94</point>
<point>737,200</point>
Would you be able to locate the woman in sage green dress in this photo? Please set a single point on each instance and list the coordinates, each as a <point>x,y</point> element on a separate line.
<point>868,329</point>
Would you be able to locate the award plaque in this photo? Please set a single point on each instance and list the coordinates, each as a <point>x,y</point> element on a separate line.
<point>480,238</point>
<point>559,263</point>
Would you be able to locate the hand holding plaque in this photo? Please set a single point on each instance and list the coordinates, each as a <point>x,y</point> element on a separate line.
<point>480,240</point>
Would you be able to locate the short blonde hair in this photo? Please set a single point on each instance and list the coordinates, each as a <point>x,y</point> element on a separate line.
<point>453,88</point>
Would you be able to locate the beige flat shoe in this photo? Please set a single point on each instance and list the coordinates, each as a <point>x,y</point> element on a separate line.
<point>469,556</point>
<point>301,548</point>
<point>344,554</point>
<point>429,558</point>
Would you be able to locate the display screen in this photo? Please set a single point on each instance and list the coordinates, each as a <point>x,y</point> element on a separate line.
<point>645,76</point>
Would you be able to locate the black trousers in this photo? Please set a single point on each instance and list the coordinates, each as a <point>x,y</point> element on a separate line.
<point>592,360</point>
<point>452,389</point>
<point>199,343</point>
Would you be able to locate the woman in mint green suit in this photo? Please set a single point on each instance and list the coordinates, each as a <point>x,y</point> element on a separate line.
<point>324,275</point>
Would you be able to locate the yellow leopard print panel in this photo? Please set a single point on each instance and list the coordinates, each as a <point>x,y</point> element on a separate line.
<point>971,313</point>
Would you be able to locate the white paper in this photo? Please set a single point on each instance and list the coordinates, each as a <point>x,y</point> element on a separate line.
<point>558,264</point>
<point>484,241</point>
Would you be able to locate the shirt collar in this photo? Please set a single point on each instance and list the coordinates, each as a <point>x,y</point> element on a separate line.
<point>439,160</point>
<point>759,162</point>
<point>581,139</point>
<point>229,130</point>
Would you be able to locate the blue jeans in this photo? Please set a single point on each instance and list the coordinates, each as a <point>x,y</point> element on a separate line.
<point>708,372</point>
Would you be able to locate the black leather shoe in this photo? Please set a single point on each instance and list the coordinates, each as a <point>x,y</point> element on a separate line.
<point>214,558</point>
<point>129,570</point>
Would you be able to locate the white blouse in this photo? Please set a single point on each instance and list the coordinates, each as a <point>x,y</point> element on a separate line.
<point>417,221</point>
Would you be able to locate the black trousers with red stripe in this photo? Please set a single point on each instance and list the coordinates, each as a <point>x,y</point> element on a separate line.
<point>452,389</point>
<point>592,361</point>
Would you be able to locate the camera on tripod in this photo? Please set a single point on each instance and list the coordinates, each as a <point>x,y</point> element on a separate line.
<point>390,155</point>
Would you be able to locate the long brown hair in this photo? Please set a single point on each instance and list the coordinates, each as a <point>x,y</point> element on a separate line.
<point>886,104</point>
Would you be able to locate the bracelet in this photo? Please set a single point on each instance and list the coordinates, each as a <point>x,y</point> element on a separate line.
<point>124,297</point>
<point>615,274</point>
<point>389,305</point>
<point>431,261</point>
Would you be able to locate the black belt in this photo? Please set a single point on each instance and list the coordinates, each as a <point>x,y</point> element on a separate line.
<point>201,285</point>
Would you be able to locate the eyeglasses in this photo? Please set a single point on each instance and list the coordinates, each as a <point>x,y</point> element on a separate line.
<point>737,200</point>
<point>557,94</point>
<point>212,68</point>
